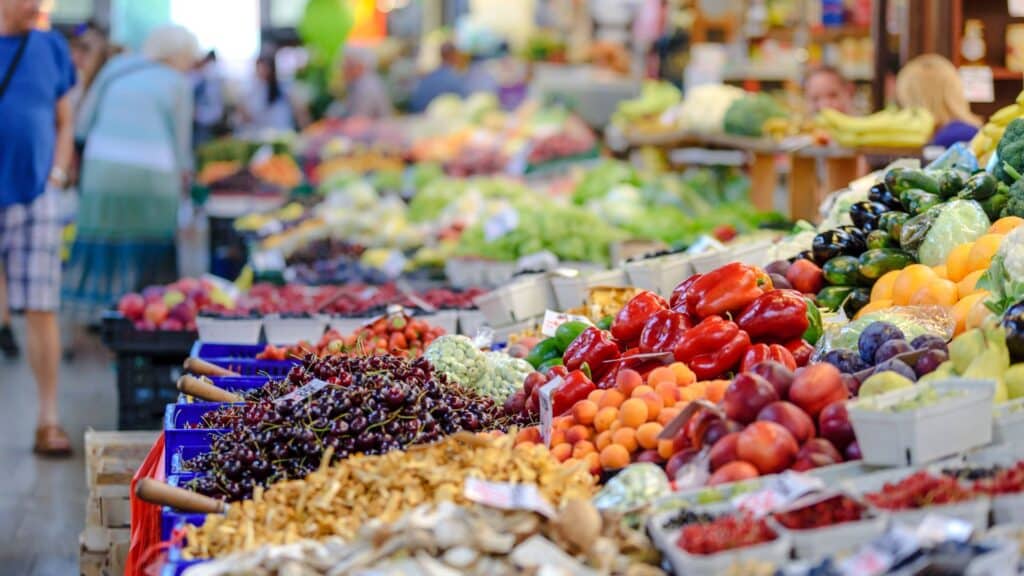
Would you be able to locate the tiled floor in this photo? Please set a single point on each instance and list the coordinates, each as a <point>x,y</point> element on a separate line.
<point>42,502</point>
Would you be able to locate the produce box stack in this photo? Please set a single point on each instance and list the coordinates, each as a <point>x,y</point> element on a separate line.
<point>111,459</point>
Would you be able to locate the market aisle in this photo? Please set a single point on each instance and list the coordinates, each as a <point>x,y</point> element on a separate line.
<point>42,502</point>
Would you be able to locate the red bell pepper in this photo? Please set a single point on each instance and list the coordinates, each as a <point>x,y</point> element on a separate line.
<point>713,347</point>
<point>730,288</point>
<point>663,331</point>
<point>629,322</point>
<point>576,387</point>
<point>763,352</point>
<point>775,316</point>
<point>801,350</point>
<point>592,347</point>
<point>678,300</point>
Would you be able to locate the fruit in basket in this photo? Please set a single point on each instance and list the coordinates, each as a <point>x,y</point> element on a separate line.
<point>816,453</point>
<point>156,312</point>
<point>768,446</point>
<point>746,396</point>
<point>725,533</point>
<point>789,417</point>
<point>815,387</point>
<point>132,306</point>
<point>837,510</point>
<point>834,425</point>
<point>919,490</point>
<point>882,382</point>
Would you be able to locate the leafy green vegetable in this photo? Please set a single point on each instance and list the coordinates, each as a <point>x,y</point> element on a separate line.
<point>1010,151</point>
<point>1005,275</point>
<point>746,116</point>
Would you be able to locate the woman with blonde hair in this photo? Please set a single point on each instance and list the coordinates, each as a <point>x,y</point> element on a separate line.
<point>931,82</point>
<point>136,123</point>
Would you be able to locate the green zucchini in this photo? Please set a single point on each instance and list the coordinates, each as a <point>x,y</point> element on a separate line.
<point>881,239</point>
<point>979,187</point>
<point>875,263</point>
<point>831,297</point>
<point>842,271</point>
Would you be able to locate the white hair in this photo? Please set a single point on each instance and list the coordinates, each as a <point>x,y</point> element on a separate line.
<point>171,42</point>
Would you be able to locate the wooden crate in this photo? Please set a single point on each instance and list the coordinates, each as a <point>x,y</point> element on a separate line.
<point>111,458</point>
<point>92,563</point>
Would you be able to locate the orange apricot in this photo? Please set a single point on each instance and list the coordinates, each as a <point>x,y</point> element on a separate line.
<point>614,457</point>
<point>584,412</point>
<point>605,417</point>
<point>625,437</point>
<point>633,412</point>
<point>612,398</point>
<point>647,435</point>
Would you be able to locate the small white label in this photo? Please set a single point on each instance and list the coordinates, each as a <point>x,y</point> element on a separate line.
<point>501,224</point>
<point>303,392</point>
<point>978,85</point>
<point>547,408</point>
<point>936,529</point>
<point>778,493</point>
<point>882,553</point>
<point>507,496</point>
<point>268,260</point>
<point>552,320</point>
<point>1015,8</point>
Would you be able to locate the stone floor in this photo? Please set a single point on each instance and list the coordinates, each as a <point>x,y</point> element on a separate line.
<point>42,502</point>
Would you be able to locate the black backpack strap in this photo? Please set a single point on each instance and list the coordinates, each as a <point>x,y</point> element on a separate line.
<point>9,74</point>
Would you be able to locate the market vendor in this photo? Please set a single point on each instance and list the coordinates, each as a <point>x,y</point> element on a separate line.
<point>931,82</point>
<point>826,89</point>
<point>366,95</point>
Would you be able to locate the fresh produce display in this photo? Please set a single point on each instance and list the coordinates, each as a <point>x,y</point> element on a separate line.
<point>464,540</point>
<point>725,533</point>
<point>835,510</point>
<point>173,307</point>
<point>369,406</point>
<point>747,116</point>
<point>492,374</point>
<point>337,500</point>
<point>985,141</point>
<point>919,490</point>
<point>395,335</point>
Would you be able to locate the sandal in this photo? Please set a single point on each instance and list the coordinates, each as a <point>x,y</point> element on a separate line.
<point>52,441</point>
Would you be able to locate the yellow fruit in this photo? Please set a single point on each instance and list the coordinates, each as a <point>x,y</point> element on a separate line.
<point>1005,225</point>
<point>956,262</point>
<point>983,251</point>
<point>882,290</point>
<point>911,279</point>
<point>978,313</point>
<point>939,270</point>
<point>966,287</point>
<point>874,306</point>
<point>963,308</point>
<point>938,292</point>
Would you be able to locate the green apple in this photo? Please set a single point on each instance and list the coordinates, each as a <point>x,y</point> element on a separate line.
<point>965,348</point>
<point>1014,379</point>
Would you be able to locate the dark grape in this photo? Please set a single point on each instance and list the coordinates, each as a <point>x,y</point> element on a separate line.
<point>928,361</point>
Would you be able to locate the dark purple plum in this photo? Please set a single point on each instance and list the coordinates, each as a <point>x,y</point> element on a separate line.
<point>874,336</point>
<point>898,366</point>
<point>847,361</point>
<point>929,342</point>
<point>928,361</point>
<point>890,349</point>
<point>779,267</point>
<point>780,282</point>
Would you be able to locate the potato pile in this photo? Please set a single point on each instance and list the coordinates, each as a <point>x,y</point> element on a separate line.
<point>338,500</point>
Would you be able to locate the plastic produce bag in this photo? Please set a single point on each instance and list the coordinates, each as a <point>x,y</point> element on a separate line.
<point>956,156</point>
<point>636,486</point>
<point>912,320</point>
<point>958,222</point>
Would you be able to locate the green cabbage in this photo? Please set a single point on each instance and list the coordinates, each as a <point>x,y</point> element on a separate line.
<point>959,222</point>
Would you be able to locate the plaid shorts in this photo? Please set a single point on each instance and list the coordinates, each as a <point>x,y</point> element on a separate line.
<point>30,242</point>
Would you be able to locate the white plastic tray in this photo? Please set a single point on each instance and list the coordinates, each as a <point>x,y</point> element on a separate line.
<point>821,542</point>
<point>643,274</point>
<point>464,273</point>
<point>775,552</point>
<point>447,319</point>
<point>501,333</point>
<point>471,321</point>
<point>525,298</point>
<point>927,434</point>
<point>230,330</point>
<point>1008,423</point>
<point>348,325</point>
<point>571,292</point>
<point>287,331</point>
<point>1008,509</point>
<point>753,253</point>
<point>974,511</point>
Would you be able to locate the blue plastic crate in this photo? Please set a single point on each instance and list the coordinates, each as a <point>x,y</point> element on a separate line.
<point>176,565</point>
<point>236,384</point>
<point>176,433</point>
<point>213,350</point>
<point>175,462</point>
<point>250,367</point>
<point>171,518</point>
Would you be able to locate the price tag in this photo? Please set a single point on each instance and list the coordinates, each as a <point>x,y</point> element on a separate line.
<point>552,320</point>
<point>303,392</point>
<point>778,493</point>
<point>936,529</point>
<point>507,496</point>
<point>978,85</point>
<point>547,407</point>
<point>501,224</point>
<point>394,264</point>
<point>882,553</point>
<point>268,260</point>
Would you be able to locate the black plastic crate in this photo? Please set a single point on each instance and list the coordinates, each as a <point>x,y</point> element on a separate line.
<point>145,385</point>
<point>120,335</point>
<point>228,249</point>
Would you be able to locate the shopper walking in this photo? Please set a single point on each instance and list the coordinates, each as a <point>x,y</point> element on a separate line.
<point>209,100</point>
<point>137,126</point>
<point>36,142</point>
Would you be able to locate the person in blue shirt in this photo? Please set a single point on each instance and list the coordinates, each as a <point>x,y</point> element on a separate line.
<point>444,80</point>
<point>36,144</point>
